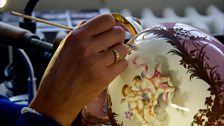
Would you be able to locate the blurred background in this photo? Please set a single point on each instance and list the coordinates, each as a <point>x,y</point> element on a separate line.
<point>205,14</point>
<point>21,70</point>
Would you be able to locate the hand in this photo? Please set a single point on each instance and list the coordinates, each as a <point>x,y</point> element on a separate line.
<point>81,68</point>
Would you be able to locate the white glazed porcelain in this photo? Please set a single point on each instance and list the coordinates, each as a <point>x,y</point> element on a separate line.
<point>175,78</point>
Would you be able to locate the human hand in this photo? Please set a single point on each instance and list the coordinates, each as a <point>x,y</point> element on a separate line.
<point>81,68</point>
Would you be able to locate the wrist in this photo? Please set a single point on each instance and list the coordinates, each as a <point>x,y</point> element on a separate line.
<point>62,115</point>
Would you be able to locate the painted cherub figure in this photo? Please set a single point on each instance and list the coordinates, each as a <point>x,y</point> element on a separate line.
<point>158,85</point>
<point>135,102</point>
<point>153,85</point>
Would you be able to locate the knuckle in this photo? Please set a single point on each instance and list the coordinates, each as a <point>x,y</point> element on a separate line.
<point>73,39</point>
<point>78,32</point>
<point>119,32</point>
<point>80,43</point>
<point>109,19</point>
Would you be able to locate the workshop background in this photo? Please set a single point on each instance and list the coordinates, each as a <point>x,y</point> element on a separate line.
<point>16,72</point>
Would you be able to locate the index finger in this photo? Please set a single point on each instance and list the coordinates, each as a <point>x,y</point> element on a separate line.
<point>98,24</point>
